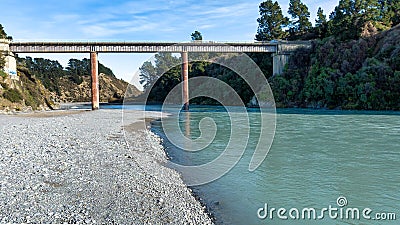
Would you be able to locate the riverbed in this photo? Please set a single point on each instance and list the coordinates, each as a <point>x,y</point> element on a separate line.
<point>77,167</point>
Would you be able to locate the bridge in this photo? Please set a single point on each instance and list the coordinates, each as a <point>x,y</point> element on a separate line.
<point>281,51</point>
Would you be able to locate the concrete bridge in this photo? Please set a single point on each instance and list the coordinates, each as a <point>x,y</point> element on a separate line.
<point>280,50</point>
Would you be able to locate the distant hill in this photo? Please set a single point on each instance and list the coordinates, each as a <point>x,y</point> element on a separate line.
<point>45,83</point>
<point>111,89</point>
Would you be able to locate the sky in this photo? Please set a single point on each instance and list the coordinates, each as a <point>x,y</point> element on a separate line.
<point>133,20</point>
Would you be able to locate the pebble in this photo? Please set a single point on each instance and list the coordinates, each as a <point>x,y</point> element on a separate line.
<point>67,169</point>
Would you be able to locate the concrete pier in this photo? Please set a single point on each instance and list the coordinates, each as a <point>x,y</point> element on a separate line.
<point>185,78</point>
<point>279,62</point>
<point>10,66</point>
<point>95,81</point>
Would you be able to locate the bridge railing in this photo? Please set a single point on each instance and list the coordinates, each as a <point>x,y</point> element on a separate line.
<point>150,47</point>
<point>134,41</point>
<point>79,46</point>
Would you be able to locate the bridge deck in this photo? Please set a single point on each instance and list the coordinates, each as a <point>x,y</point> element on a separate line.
<point>147,47</point>
<point>141,47</point>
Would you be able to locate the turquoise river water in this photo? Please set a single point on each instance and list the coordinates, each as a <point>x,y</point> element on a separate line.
<point>347,162</point>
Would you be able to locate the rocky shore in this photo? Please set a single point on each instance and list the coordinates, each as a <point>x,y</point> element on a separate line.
<point>78,168</point>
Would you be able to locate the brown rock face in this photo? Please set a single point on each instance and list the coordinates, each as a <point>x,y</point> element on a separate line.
<point>111,89</point>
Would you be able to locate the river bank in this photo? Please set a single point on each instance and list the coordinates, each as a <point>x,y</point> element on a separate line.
<point>78,168</point>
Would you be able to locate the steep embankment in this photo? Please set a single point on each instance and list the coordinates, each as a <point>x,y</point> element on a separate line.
<point>353,74</point>
<point>27,93</point>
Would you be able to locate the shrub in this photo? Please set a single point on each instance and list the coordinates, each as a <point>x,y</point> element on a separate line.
<point>13,95</point>
<point>3,74</point>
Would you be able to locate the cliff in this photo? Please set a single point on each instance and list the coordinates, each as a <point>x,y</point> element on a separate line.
<point>25,94</point>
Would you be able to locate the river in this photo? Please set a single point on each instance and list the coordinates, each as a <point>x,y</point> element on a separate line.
<point>345,165</point>
<point>318,158</point>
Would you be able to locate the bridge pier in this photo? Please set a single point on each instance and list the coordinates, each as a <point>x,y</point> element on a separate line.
<point>279,61</point>
<point>95,80</point>
<point>10,66</point>
<point>185,78</point>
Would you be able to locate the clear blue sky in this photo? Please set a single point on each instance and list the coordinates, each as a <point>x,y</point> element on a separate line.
<point>124,20</point>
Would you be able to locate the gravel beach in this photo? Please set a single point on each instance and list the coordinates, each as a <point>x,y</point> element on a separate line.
<point>60,167</point>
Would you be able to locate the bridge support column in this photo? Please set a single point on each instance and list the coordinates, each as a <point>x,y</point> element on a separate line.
<point>95,81</point>
<point>279,62</point>
<point>10,66</point>
<point>185,78</point>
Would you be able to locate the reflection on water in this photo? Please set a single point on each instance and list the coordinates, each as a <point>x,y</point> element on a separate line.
<point>186,116</point>
<point>316,157</point>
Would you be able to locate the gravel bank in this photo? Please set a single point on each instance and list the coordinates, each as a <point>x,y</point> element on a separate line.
<point>78,168</point>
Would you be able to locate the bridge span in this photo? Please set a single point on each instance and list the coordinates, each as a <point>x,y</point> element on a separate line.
<point>140,47</point>
<point>281,50</point>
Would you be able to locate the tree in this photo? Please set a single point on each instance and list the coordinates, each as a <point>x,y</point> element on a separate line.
<point>396,12</point>
<point>78,67</point>
<point>321,18</point>
<point>300,15</point>
<point>350,17</point>
<point>196,36</point>
<point>271,22</point>
<point>164,64</point>
<point>320,23</point>
<point>340,20</point>
<point>390,12</point>
<point>148,75</point>
<point>386,13</point>
<point>367,11</point>
<point>3,34</point>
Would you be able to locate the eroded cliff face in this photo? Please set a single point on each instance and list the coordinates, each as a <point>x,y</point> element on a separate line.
<point>111,89</point>
<point>28,92</point>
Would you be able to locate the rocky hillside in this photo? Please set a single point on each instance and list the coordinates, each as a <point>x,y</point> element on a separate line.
<point>111,89</point>
<point>72,84</point>
<point>25,94</point>
<point>43,84</point>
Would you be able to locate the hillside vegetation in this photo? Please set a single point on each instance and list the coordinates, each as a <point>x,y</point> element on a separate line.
<point>26,94</point>
<point>73,83</point>
<point>352,74</point>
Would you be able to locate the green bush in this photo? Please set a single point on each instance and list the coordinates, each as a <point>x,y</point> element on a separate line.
<point>3,74</point>
<point>31,101</point>
<point>13,95</point>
